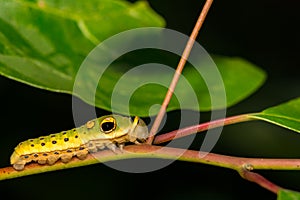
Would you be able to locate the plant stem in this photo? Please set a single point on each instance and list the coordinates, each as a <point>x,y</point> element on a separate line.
<point>201,127</point>
<point>150,151</point>
<point>179,69</point>
<point>260,180</point>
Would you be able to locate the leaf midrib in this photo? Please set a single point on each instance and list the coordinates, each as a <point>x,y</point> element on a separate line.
<point>279,116</point>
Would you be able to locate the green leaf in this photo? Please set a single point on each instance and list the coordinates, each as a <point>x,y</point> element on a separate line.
<point>241,77</point>
<point>43,43</point>
<point>286,115</point>
<point>288,195</point>
<point>142,100</point>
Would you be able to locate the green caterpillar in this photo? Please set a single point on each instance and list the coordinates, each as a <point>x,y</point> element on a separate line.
<point>107,131</point>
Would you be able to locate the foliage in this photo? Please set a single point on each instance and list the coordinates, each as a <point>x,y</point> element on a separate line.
<point>49,58</point>
<point>46,58</point>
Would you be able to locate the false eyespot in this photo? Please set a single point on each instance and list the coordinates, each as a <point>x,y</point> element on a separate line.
<point>107,131</point>
<point>108,125</point>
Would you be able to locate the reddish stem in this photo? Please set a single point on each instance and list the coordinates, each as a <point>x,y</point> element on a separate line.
<point>200,127</point>
<point>179,69</point>
<point>260,180</point>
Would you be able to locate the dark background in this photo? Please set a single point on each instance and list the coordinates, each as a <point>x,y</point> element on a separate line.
<point>263,32</point>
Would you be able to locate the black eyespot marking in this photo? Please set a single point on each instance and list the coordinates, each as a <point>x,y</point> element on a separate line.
<point>42,144</point>
<point>66,139</point>
<point>31,140</point>
<point>41,138</point>
<point>52,136</point>
<point>81,148</point>
<point>56,153</point>
<point>45,154</point>
<point>32,145</point>
<point>36,155</point>
<point>76,136</point>
<point>54,142</point>
<point>107,127</point>
<point>64,133</point>
<point>69,150</point>
<point>26,156</point>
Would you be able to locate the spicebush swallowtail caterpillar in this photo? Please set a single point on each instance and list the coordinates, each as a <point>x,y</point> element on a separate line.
<point>107,131</point>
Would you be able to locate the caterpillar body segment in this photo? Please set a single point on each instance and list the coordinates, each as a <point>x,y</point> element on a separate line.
<point>108,131</point>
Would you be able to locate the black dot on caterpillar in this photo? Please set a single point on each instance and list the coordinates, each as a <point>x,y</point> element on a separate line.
<point>108,131</point>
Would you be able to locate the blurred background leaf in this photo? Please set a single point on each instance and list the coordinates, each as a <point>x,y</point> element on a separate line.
<point>43,43</point>
<point>50,58</point>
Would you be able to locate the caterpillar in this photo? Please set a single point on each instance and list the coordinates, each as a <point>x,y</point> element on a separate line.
<point>110,131</point>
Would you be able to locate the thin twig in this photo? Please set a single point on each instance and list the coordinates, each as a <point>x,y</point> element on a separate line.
<point>179,69</point>
<point>260,180</point>
<point>200,127</point>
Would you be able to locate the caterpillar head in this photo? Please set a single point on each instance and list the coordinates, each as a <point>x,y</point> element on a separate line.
<point>116,126</point>
<point>138,131</point>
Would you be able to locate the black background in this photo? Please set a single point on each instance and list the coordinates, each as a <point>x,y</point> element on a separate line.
<point>264,32</point>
